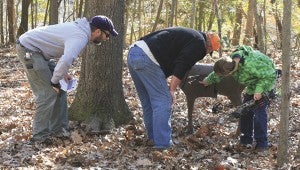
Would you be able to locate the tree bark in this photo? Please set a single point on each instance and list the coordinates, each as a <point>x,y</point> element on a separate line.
<point>53,12</point>
<point>219,19</point>
<point>286,94</point>
<point>259,29</point>
<point>46,12</point>
<point>193,15</point>
<point>11,21</point>
<point>161,2</point>
<point>238,25</point>
<point>99,99</point>
<point>201,15</point>
<point>211,16</point>
<point>24,17</point>
<point>1,23</point>
<point>172,13</point>
<point>249,24</point>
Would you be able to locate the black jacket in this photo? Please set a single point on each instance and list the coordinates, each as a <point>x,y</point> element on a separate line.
<point>176,49</point>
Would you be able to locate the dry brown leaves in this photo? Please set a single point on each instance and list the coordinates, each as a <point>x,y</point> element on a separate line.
<point>212,146</point>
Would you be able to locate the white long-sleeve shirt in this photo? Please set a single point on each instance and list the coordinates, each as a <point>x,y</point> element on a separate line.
<point>64,41</point>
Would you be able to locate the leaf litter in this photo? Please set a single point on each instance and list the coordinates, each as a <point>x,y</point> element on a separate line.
<point>211,146</point>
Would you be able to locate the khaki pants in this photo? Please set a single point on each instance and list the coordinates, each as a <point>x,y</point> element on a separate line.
<point>51,108</point>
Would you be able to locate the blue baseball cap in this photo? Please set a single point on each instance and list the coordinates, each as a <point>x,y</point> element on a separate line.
<point>104,23</point>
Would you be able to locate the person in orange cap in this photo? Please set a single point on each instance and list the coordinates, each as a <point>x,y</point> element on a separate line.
<point>157,56</point>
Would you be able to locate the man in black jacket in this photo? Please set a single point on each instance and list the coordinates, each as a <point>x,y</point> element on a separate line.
<point>155,57</point>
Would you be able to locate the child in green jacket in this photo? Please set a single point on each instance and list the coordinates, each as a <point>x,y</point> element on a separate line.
<point>257,72</point>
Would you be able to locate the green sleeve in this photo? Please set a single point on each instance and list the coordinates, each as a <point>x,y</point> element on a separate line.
<point>264,72</point>
<point>212,78</point>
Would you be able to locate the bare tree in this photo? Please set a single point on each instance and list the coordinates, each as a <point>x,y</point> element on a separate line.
<point>158,15</point>
<point>238,24</point>
<point>24,17</point>
<point>285,87</point>
<point>1,23</point>
<point>53,12</point>
<point>193,14</point>
<point>172,13</point>
<point>99,99</point>
<point>259,30</point>
<point>219,19</point>
<point>249,23</point>
<point>11,20</point>
<point>46,12</point>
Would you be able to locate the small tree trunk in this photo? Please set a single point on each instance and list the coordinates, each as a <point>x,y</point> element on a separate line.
<point>24,17</point>
<point>172,13</point>
<point>193,15</point>
<point>285,91</point>
<point>161,2</point>
<point>201,15</point>
<point>1,23</point>
<point>46,12</point>
<point>238,25</point>
<point>211,16</point>
<point>219,19</point>
<point>11,20</point>
<point>53,12</point>
<point>249,24</point>
<point>259,29</point>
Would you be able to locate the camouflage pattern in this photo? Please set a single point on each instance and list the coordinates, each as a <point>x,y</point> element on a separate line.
<point>256,72</point>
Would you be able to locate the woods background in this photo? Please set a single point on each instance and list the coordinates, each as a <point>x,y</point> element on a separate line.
<point>242,21</point>
<point>263,24</point>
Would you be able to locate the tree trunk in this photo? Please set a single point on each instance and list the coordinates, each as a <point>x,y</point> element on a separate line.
<point>132,33</point>
<point>11,20</point>
<point>201,15</point>
<point>211,17</point>
<point>81,5</point>
<point>161,2</point>
<point>46,12</point>
<point>139,13</point>
<point>172,13</point>
<point>278,24</point>
<point>238,25</point>
<point>99,99</point>
<point>249,24</point>
<point>259,29</point>
<point>1,23</point>
<point>53,12</point>
<point>24,17</point>
<point>219,19</point>
<point>193,15</point>
<point>285,91</point>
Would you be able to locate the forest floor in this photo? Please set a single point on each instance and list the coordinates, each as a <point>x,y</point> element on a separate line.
<point>211,146</point>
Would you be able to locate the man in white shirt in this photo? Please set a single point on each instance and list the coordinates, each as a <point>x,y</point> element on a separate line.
<point>65,41</point>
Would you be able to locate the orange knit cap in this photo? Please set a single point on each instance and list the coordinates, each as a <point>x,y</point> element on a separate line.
<point>214,40</point>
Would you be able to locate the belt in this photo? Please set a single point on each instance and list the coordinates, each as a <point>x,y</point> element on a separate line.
<point>27,49</point>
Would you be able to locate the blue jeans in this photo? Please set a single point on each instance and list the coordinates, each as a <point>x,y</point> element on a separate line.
<point>255,122</point>
<point>51,108</point>
<point>154,94</point>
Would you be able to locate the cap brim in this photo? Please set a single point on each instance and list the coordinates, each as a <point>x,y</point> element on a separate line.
<point>114,32</point>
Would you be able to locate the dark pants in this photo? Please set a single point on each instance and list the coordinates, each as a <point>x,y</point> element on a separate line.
<point>255,123</point>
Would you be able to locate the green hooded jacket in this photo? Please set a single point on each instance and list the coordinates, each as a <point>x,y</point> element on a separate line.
<point>256,71</point>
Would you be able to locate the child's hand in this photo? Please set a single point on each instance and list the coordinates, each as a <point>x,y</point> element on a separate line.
<point>257,96</point>
<point>204,83</point>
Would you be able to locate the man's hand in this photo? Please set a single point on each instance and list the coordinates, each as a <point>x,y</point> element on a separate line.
<point>68,77</point>
<point>56,87</point>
